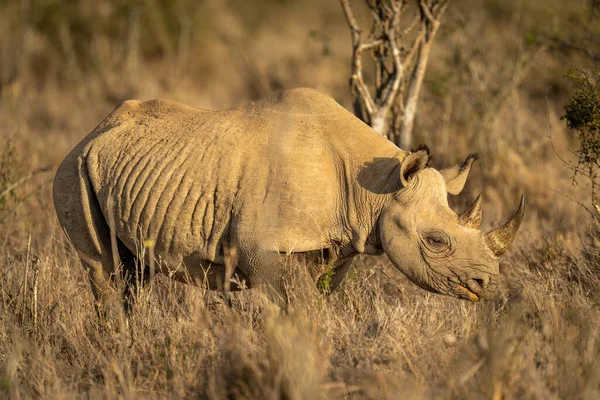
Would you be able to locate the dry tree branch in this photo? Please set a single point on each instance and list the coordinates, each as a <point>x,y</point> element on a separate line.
<point>356,76</point>
<point>427,12</point>
<point>391,91</point>
<point>9,211</point>
<point>429,27</point>
<point>13,209</point>
<point>391,103</point>
<point>411,26</point>
<point>522,67</point>
<point>21,181</point>
<point>408,58</point>
<point>566,45</point>
<point>370,45</point>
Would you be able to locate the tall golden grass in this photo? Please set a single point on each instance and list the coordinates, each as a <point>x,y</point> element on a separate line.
<point>494,86</point>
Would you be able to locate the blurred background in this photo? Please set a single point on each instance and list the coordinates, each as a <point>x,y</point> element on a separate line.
<point>495,83</point>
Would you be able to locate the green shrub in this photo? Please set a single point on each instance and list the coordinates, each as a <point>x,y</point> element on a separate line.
<point>582,116</point>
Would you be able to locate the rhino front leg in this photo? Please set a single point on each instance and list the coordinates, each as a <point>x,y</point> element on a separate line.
<point>265,271</point>
<point>340,271</point>
<point>274,273</point>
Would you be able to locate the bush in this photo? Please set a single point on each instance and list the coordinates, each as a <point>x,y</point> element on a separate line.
<point>582,115</point>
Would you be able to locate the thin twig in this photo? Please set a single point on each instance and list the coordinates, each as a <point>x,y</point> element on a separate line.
<point>411,26</point>
<point>24,179</point>
<point>367,46</point>
<point>427,12</point>
<point>23,290</point>
<point>578,202</point>
<point>356,77</point>
<point>350,18</point>
<point>36,268</point>
<point>523,65</point>
<point>565,45</point>
<point>22,201</point>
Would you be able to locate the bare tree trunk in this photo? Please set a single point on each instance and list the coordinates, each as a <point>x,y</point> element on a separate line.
<point>412,96</point>
<point>379,122</point>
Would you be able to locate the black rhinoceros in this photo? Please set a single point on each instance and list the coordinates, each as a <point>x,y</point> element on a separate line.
<point>294,173</point>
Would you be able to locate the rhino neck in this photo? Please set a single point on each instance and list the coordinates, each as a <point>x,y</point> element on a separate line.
<point>370,183</point>
<point>366,165</point>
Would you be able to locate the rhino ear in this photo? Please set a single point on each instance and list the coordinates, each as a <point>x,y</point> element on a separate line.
<point>412,164</point>
<point>456,176</point>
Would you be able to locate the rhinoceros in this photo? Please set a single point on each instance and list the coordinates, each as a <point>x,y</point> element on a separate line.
<point>293,173</point>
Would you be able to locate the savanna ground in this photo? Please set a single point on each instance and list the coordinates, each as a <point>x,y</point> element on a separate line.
<point>495,86</point>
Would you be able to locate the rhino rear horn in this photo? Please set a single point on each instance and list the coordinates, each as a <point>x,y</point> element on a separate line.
<point>500,238</point>
<point>471,217</point>
<point>456,176</point>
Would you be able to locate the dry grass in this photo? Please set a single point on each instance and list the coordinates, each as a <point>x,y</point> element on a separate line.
<point>375,338</point>
<point>490,89</point>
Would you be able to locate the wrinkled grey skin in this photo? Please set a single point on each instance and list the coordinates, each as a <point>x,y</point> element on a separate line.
<point>292,174</point>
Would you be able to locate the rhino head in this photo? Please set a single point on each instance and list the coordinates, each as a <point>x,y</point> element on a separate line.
<point>435,248</point>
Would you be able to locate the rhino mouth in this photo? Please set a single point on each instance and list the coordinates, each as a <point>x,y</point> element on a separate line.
<point>465,293</point>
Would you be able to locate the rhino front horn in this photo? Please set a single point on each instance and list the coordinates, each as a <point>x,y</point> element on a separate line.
<point>500,238</point>
<point>471,217</point>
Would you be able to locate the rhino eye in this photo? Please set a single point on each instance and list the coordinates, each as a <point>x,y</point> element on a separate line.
<point>437,241</point>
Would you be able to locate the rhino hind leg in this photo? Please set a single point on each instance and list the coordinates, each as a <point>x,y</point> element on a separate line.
<point>80,216</point>
<point>135,275</point>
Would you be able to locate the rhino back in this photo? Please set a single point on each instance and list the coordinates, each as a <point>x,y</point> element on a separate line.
<point>181,176</point>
